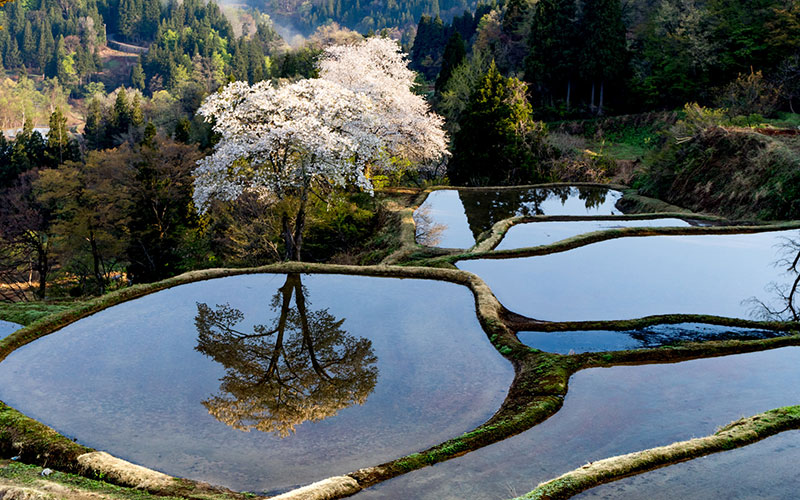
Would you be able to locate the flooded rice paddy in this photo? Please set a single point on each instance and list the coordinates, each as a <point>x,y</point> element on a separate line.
<point>7,328</point>
<point>453,218</point>
<point>266,382</point>
<point>576,342</point>
<point>724,275</point>
<point>544,233</point>
<point>764,470</point>
<point>608,412</point>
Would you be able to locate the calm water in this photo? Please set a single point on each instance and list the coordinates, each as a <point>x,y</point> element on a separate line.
<point>165,382</point>
<point>7,328</point>
<point>543,233</point>
<point>634,277</point>
<point>608,412</point>
<point>577,342</point>
<point>454,219</point>
<point>764,470</point>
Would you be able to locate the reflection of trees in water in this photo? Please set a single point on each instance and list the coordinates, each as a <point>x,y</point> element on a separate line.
<point>484,209</point>
<point>302,367</point>
<point>661,335</point>
<point>592,197</point>
<point>427,232</point>
<point>786,306</point>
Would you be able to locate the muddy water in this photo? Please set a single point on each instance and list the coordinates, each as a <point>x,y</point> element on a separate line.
<point>764,470</point>
<point>454,219</point>
<point>634,277</point>
<point>544,233</point>
<point>167,380</point>
<point>576,342</point>
<point>608,412</point>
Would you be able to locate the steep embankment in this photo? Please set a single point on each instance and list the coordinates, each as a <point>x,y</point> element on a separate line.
<point>737,173</point>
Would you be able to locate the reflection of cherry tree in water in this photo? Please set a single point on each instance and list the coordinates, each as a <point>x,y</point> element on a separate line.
<point>303,367</point>
<point>786,307</point>
<point>426,230</point>
<point>484,211</point>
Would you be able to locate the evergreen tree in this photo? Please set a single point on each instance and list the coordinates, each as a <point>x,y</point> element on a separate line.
<point>498,142</point>
<point>454,54</point>
<point>551,60</point>
<point>28,45</point>
<point>94,130</point>
<point>12,58</point>
<point>137,76</point>
<point>121,113</point>
<point>604,47</point>
<point>57,139</point>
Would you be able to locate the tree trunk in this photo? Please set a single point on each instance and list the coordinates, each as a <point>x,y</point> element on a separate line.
<point>287,237</point>
<point>591,104</point>
<point>300,299</point>
<point>294,238</point>
<point>42,266</point>
<point>569,91</point>
<point>600,104</point>
<point>98,276</point>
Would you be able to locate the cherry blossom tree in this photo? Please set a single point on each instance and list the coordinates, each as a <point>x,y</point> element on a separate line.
<point>314,136</point>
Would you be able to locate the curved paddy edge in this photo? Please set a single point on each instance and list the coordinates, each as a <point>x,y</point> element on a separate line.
<point>36,443</point>
<point>737,434</point>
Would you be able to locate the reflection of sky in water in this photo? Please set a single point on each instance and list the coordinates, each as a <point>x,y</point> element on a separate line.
<point>7,328</point>
<point>608,412</point>
<point>543,233</point>
<point>441,221</point>
<point>764,470</point>
<point>639,276</point>
<point>129,381</point>
<point>454,219</point>
<point>653,336</point>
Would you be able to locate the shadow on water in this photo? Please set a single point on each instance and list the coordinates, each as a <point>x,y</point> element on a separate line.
<point>303,367</point>
<point>576,342</point>
<point>484,209</point>
<point>455,218</point>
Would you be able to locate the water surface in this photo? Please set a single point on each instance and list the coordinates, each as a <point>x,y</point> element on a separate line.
<point>765,470</point>
<point>608,412</point>
<point>168,380</point>
<point>640,276</point>
<point>576,342</point>
<point>7,328</point>
<point>544,233</point>
<point>455,218</point>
